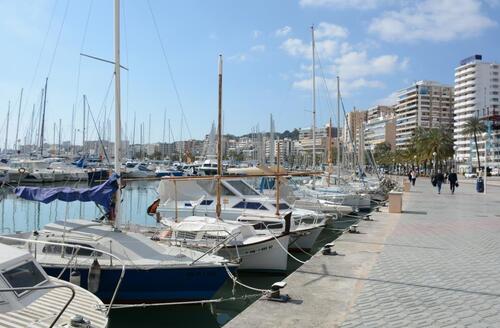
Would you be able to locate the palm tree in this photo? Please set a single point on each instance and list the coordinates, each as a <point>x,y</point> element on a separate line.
<point>472,128</point>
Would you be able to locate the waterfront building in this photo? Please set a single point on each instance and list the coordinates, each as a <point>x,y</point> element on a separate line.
<point>477,93</point>
<point>425,104</point>
<point>380,127</point>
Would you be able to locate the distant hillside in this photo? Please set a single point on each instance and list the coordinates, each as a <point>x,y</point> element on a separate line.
<point>294,135</point>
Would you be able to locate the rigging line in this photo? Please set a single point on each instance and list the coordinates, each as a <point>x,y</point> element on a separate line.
<point>327,90</point>
<point>58,38</point>
<point>84,38</point>
<point>39,59</point>
<point>126,61</point>
<point>164,52</point>
<point>98,134</point>
<point>103,105</point>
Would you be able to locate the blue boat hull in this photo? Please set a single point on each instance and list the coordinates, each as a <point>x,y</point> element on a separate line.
<point>169,174</point>
<point>155,285</point>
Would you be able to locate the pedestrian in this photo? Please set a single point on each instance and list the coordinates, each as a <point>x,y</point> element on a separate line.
<point>413,177</point>
<point>409,175</point>
<point>439,178</point>
<point>453,179</point>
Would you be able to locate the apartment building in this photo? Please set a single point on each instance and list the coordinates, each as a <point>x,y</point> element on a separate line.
<point>477,93</point>
<point>380,127</point>
<point>425,104</point>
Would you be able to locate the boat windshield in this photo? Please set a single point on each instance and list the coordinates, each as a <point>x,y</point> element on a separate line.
<point>24,275</point>
<point>242,188</point>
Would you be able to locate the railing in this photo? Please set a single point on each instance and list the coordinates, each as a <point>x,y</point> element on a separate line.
<point>77,247</point>
<point>47,287</point>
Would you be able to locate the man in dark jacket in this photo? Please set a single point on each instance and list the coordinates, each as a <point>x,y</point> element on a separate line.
<point>439,178</point>
<point>453,179</point>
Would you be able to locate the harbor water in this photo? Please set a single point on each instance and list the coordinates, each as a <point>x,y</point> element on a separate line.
<point>18,215</point>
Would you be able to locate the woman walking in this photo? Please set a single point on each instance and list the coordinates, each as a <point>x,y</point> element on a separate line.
<point>413,177</point>
<point>453,179</point>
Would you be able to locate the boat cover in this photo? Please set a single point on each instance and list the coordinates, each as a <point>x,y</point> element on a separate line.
<point>101,194</point>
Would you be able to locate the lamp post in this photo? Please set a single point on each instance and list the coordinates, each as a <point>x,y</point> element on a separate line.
<point>434,154</point>
<point>455,148</point>
<point>486,141</point>
<point>415,160</point>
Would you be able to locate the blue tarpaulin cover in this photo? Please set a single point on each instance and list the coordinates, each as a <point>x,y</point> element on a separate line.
<point>101,194</point>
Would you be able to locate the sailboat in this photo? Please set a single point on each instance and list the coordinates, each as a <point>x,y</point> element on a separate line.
<point>154,272</point>
<point>231,239</point>
<point>30,298</point>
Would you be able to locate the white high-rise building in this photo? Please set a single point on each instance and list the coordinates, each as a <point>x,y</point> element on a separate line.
<point>477,90</point>
<point>425,104</point>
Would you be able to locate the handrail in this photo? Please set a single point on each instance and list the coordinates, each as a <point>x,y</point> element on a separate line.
<point>122,274</point>
<point>47,287</point>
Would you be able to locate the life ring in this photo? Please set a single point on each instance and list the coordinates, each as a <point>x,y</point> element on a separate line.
<point>21,170</point>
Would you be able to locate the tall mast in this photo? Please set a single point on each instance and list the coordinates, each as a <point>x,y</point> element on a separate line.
<point>133,140</point>
<point>117,113</point>
<point>277,181</point>
<point>338,130</point>
<point>83,131</point>
<point>271,142</point>
<point>18,118</point>
<point>313,98</point>
<point>219,141</point>
<point>7,129</point>
<point>163,136</point>
<point>329,150</point>
<point>43,115</point>
<point>59,143</point>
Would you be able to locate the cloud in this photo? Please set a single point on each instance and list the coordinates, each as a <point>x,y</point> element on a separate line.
<point>238,58</point>
<point>431,20</point>
<point>327,30</point>
<point>258,48</point>
<point>356,64</point>
<point>355,4</point>
<point>298,48</point>
<point>256,34</point>
<point>284,31</point>
<point>347,86</point>
<point>390,100</point>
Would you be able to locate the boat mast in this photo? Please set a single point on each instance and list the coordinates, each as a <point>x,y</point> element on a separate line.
<point>7,129</point>
<point>329,149</point>
<point>338,130</point>
<point>271,142</point>
<point>313,101</point>
<point>219,141</point>
<point>83,131</point>
<point>277,181</point>
<point>16,143</point>
<point>117,113</point>
<point>43,115</point>
<point>59,143</point>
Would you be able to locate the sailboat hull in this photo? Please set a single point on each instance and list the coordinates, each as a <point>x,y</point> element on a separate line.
<point>153,285</point>
<point>304,239</point>
<point>263,256</point>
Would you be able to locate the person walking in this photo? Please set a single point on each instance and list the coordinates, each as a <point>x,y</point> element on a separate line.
<point>439,178</point>
<point>453,179</point>
<point>413,177</point>
<point>409,175</point>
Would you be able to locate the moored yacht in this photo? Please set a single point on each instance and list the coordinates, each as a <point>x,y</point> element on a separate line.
<point>31,298</point>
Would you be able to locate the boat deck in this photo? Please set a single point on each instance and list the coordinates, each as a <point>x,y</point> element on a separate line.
<point>43,311</point>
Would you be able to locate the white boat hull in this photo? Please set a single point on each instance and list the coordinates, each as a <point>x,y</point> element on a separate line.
<point>306,239</point>
<point>261,256</point>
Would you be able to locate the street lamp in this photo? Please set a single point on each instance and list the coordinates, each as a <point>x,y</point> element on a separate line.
<point>486,137</point>
<point>434,154</point>
<point>455,148</point>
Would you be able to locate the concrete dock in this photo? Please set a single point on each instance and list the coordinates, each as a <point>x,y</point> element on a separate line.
<point>437,264</point>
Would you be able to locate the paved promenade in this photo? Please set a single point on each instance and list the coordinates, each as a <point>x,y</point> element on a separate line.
<point>435,265</point>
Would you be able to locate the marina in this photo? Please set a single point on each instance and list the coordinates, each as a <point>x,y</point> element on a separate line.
<point>132,194</point>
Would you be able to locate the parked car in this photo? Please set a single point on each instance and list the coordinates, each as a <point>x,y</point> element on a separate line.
<point>470,175</point>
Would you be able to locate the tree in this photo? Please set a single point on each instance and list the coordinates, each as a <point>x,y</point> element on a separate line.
<point>474,126</point>
<point>382,153</point>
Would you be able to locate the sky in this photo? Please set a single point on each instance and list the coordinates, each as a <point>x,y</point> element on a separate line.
<point>170,51</point>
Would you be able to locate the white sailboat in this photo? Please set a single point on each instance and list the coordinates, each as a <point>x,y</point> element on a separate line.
<point>31,298</point>
<point>232,239</point>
